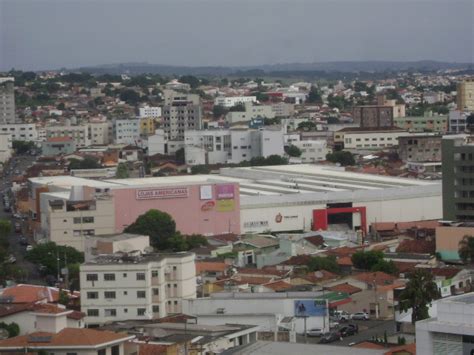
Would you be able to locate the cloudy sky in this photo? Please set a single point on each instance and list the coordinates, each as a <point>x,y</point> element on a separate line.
<point>50,34</point>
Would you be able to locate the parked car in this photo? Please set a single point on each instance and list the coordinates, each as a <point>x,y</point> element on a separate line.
<point>10,259</point>
<point>360,316</point>
<point>330,337</point>
<point>23,241</point>
<point>333,324</point>
<point>29,247</point>
<point>17,227</point>
<point>341,316</point>
<point>347,330</point>
<point>314,332</point>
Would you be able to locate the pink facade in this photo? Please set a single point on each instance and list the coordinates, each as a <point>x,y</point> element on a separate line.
<point>195,208</point>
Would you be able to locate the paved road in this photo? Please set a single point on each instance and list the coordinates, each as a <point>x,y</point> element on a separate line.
<point>18,164</point>
<point>367,330</point>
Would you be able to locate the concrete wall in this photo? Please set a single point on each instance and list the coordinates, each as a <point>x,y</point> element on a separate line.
<point>448,238</point>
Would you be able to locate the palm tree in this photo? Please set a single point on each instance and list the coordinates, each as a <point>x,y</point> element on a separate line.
<point>419,291</point>
<point>466,249</point>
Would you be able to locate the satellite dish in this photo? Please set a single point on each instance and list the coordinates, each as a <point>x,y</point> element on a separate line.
<point>318,274</point>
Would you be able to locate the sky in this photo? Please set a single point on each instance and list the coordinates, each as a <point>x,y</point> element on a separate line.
<point>53,34</point>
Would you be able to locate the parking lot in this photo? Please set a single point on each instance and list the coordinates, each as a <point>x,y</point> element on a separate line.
<point>367,330</point>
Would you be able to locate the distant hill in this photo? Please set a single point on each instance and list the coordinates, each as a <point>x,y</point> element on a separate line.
<point>289,69</point>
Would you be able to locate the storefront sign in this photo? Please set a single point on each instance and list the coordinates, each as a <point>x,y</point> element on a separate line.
<point>255,224</point>
<point>169,192</point>
<point>208,206</point>
<point>225,192</point>
<point>225,205</point>
<point>206,192</point>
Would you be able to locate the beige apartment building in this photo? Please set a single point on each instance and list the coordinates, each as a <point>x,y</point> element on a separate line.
<point>465,95</point>
<point>120,287</point>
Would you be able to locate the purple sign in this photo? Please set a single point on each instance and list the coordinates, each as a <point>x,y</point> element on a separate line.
<point>225,192</point>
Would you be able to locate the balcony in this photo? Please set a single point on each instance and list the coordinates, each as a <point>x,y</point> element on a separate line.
<point>155,281</point>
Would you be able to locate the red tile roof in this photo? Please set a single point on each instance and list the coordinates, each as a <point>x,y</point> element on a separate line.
<point>298,260</point>
<point>380,278</point>
<point>279,285</point>
<point>24,293</point>
<point>417,246</point>
<point>447,272</point>
<point>264,272</point>
<point>212,266</point>
<point>344,261</point>
<point>403,350</point>
<point>316,240</point>
<point>319,276</point>
<point>343,251</point>
<point>152,349</point>
<point>66,337</point>
<point>345,287</point>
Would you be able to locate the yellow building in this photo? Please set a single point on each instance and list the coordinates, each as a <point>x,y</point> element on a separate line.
<point>465,95</point>
<point>147,126</point>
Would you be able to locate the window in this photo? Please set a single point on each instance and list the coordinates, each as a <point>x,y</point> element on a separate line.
<point>175,285</point>
<point>92,295</point>
<point>101,352</point>
<point>124,274</point>
<point>156,291</point>
<point>175,303</point>
<point>154,273</point>
<point>92,277</point>
<point>109,294</point>
<point>88,220</point>
<point>110,312</point>
<point>141,294</point>
<point>156,309</point>
<point>109,277</point>
<point>141,311</point>
<point>92,312</point>
<point>140,276</point>
<point>115,350</point>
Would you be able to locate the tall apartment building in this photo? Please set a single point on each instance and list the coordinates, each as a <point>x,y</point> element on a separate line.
<point>427,123</point>
<point>251,112</point>
<point>80,134</point>
<point>420,147</point>
<point>398,109</point>
<point>7,101</point>
<point>181,112</point>
<point>101,132</point>
<point>458,178</point>
<point>121,287</point>
<point>233,100</point>
<point>457,121</point>
<point>5,147</point>
<point>149,111</point>
<point>21,131</point>
<point>373,116</point>
<point>312,151</point>
<point>465,95</point>
<point>127,131</point>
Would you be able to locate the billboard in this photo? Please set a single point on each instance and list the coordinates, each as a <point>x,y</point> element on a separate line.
<point>225,192</point>
<point>225,205</point>
<point>169,192</point>
<point>310,308</point>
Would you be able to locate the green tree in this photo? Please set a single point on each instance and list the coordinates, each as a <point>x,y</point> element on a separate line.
<point>63,297</point>
<point>307,126</point>
<point>179,156</point>
<point>419,291</point>
<point>342,157</point>
<point>12,328</point>
<point>261,96</point>
<point>5,228</point>
<point>122,171</point>
<point>314,96</point>
<point>61,106</point>
<point>366,260</point>
<point>22,147</point>
<point>293,151</point>
<point>218,111</point>
<point>239,107</point>
<point>388,267</point>
<point>328,263</point>
<point>466,249</point>
<point>200,169</point>
<point>86,163</point>
<point>191,80</point>
<point>158,225</point>
<point>47,254</point>
<point>130,96</point>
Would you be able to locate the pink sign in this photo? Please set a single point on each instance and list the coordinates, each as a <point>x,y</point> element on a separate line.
<point>225,192</point>
<point>170,192</point>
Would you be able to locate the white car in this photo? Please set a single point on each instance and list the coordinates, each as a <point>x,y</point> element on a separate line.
<point>360,316</point>
<point>314,332</point>
<point>29,247</point>
<point>341,316</point>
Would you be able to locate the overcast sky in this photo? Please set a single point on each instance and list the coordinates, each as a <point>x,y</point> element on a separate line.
<point>50,34</point>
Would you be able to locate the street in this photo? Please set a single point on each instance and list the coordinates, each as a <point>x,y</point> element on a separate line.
<point>367,330</point>
<point>18,165</point>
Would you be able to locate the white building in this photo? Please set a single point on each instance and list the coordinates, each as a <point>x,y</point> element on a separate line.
<point>251,112</point>
<point>157,142</point>
<point>7,100</point>
<point>181,112</point>
<point>269,311</point>
<point>362,138</point>
<point>312,151</point>
<point>5,147</point>
<point>457,121</point>
<point>101,132</point>
<point>283,109</point>
<point>80,134</point>
<point>233,100</point>
<point>117,287</point>
<point>149,111</point>
<point>21,131</point>
<point>451,331</point>
<point>127,131</point>
<point>231,145</point>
